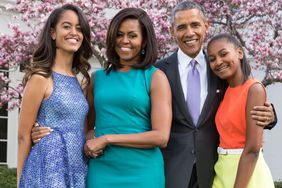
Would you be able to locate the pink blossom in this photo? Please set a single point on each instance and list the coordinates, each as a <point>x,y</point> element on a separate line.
<point>257,24</point>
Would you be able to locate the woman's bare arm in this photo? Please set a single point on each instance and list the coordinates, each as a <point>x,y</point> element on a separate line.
<point>161,116</point>
<point>34,93</point>
<point>254,134</point>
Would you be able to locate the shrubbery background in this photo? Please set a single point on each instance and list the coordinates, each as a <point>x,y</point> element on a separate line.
<point>8,178</point>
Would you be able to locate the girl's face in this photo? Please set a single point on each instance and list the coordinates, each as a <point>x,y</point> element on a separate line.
<point>67,33</point>
<point>225,59</point>
<point>129,42</point>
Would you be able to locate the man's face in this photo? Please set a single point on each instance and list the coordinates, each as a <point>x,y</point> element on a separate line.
<point>189,30</point>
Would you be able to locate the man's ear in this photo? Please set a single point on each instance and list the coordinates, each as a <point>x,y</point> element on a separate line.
<point>171,29</point>
<point>207,25</point>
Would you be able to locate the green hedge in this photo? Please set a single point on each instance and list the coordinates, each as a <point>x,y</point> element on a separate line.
<point>8,177</point>
<point>278,184</point>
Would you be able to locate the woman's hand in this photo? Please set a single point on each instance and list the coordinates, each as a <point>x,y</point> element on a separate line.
<point>94,147</point>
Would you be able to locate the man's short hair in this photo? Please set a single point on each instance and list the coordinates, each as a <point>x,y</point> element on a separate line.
<point>187,5</point>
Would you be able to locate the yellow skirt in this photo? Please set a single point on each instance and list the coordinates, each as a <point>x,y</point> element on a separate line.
<point>226,170</point>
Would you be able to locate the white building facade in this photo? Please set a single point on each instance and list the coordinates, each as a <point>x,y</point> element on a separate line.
<point>8,120</point>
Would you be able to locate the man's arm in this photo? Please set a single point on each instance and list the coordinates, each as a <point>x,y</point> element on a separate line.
<point>265,115</point>
<point>274,121</point>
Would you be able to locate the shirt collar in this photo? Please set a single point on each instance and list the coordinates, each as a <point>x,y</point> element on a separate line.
<point>184,60</point>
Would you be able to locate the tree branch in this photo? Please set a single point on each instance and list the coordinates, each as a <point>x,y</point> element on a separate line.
<point>97,55</point>
<point>219,23</point>
<point>268,81</point>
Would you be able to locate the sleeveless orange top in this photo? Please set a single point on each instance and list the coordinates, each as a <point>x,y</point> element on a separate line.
<point>231,116</point>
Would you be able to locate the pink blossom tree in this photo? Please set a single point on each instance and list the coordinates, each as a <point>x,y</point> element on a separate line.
<point>258,26</point>
<point>256,23</point>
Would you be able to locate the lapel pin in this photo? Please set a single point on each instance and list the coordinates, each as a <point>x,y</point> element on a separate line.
<point>218,91</point>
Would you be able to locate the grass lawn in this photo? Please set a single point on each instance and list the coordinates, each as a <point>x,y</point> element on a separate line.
<point>8,178</point>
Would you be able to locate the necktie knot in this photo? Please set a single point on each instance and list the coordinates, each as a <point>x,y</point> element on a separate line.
<point>193,63</point>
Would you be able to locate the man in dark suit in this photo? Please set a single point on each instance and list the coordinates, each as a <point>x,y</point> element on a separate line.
<point>191,152</point>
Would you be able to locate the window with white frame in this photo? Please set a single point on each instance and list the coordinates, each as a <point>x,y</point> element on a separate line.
<point>3,134</point>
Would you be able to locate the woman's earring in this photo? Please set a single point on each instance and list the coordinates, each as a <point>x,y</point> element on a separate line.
<point>143,52</point>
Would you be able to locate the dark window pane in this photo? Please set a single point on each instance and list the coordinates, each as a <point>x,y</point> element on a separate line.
<point>3,128</point>
<point>3,152</point>
<point>2,84</point>
<point>3,111</point>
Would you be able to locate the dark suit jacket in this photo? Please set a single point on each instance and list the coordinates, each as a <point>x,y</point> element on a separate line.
<point>188,143</point>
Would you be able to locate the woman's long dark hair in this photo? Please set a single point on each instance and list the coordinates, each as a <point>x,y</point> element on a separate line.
<point>149,44</point>
<point>44,55</point>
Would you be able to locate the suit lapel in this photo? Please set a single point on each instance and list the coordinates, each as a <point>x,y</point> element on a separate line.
<point>172,73</point>
<point>212,92</point>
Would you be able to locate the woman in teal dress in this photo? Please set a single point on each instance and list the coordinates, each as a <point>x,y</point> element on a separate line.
<point>130,107</point>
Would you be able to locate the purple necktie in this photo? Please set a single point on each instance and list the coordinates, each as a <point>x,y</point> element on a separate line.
<point>194,91</point>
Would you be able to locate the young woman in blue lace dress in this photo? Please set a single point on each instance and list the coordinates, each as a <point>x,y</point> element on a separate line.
<point>54,97</point>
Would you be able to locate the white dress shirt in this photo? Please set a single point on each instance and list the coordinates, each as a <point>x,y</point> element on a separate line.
<point>183,67</point>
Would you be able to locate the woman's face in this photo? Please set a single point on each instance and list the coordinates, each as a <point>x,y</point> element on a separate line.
<point>129,42</point>
<point>67,33</point>
<point>225,58</point>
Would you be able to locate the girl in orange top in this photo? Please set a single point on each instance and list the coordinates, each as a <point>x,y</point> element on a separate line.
<point>240,163</point>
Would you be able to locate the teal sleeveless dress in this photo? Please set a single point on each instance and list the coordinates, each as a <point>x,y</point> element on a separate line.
<point>122,106</point>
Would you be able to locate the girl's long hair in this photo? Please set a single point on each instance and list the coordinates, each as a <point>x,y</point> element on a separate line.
<point>44,55</point>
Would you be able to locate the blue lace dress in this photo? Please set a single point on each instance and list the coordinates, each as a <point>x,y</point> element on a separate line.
<point>58,159</point>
